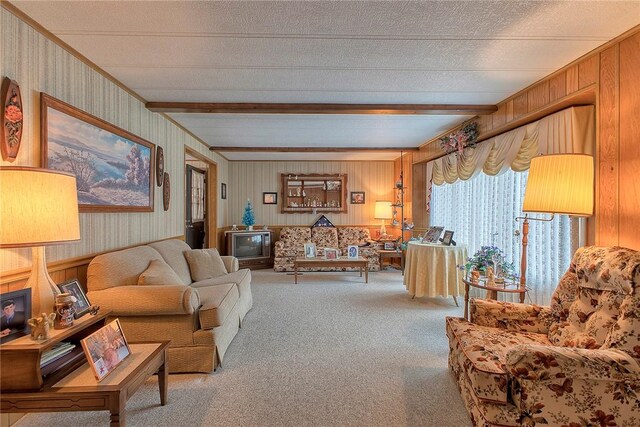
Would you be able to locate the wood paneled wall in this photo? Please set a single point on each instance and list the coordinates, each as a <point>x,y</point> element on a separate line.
<point>609,78</point>
<point>248,180</point>
<point>39,64</point>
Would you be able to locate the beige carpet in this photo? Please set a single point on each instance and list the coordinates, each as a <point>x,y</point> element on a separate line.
<point>330,351</point>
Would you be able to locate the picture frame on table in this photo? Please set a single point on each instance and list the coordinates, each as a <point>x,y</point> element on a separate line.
<point>432,235</point>
<point>16,311</point>
<point>357,197</point>
<point>269,198</point>
<point>331,253</point>
<point>114,168</point>
<point>447,238</point>
<point>353,252</point>
<point>105,349</point>
<point>82,304</point>
<point>310,250</point>
<point>390,246</point>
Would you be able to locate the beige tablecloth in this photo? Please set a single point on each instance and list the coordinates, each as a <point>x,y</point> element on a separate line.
<point>432,269</point>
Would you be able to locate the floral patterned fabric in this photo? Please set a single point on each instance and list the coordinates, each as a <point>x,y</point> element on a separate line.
<point>324,237</point>
<point>510,316</point>
<point>587,373</point>
<point>353,236</point>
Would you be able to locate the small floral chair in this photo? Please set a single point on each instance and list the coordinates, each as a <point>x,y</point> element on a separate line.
<point>574,363</point>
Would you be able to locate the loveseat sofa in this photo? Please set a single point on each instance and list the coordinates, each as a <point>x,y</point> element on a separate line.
<point>574,363</point>
<point>151,290</point>
<point>292,240</point>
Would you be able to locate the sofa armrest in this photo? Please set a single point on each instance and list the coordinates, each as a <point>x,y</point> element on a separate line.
<point>541,362</point>
<point>510,316</point>
<point>146,300</point>
<point>230,263</point>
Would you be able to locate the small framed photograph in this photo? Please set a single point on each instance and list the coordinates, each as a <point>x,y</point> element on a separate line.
<point>269,198</point>
<point>357,197</point>
<point>16,311</point>
<point>82,303</point>
<point>389,246</point>
<point>331,253</point>
<point>447,238</point>
<point>309,250</point>
<point>223,191</point>
<point>105,349</point>
<point>432,235</point>
<point>352,252</point>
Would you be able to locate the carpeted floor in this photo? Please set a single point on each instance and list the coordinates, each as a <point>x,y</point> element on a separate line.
<point>330,351</point>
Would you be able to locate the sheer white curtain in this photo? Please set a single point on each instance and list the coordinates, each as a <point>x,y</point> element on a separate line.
<point>482,211</point>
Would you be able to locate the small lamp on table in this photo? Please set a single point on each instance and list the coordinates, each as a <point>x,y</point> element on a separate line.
<point>38,207</point>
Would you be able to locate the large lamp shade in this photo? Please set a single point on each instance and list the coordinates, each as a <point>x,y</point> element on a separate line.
<point>383,210</point>
<point>560,184</point>
<point>38,207</point>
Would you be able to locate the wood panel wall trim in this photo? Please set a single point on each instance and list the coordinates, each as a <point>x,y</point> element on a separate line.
<point>55,266</point>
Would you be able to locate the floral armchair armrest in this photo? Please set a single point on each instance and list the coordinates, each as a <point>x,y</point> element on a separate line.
<point>574,386</point>
<point>510,316</point>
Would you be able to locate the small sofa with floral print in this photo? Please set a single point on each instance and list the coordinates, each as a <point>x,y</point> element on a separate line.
<point>571,364</point>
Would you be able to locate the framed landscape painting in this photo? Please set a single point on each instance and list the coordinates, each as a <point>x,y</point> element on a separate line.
<point>113,167</point>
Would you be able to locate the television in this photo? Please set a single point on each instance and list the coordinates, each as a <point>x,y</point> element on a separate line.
<point>249,244</point>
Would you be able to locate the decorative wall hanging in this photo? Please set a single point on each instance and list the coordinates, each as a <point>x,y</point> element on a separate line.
<point>166,191</point>
<point>159,165</point>
<point>113,167</point>
<point>11,119</point>
<point>223,191</point>
<point>458,140</point>
<point>323,221</point>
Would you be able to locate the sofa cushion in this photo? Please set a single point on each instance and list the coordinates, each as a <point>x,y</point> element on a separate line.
<point>353,236</point>
<point>205,264</point>
<point>482,353</point>
<point>119,268</point>
<point>324,237</point>
<point>172,251</point>
<point>217,303</point>
<point>625,334</point>
<point>236,277</point>
<point>159,273</point>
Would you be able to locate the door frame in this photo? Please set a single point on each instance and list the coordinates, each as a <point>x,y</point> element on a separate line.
<point>211,222</point>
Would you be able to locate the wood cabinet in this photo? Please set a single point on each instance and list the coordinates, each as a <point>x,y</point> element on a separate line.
<point>314,193</point>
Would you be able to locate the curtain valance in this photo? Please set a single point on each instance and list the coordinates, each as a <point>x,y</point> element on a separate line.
<point>567,131</point>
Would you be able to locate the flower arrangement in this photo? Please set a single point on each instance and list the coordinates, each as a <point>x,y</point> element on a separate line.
<point>487,256</point>
<point>458,140</point>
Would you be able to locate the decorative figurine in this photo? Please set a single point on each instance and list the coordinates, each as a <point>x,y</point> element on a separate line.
<point>475,275</point>
<point>64,310</point>
<point>491,280</point>
<point>40,326</point>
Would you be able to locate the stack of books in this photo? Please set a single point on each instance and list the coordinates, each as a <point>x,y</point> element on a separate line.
<point>59,350</point>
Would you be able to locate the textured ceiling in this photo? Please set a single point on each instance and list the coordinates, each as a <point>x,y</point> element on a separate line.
<point>445,52</point>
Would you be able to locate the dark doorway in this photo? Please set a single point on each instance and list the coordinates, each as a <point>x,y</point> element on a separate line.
<point>196,207</point>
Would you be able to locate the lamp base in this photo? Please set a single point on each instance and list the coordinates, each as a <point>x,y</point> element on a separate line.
<point>383,229</point>
<point>43,289</point>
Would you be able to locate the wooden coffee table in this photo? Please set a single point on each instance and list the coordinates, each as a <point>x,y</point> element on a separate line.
<point>361,263</point>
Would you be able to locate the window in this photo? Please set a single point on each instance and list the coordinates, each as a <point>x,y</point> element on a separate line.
<point>481,211</point>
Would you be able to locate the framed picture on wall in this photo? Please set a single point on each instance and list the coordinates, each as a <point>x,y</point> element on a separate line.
<point>270,198</point>
<point>113,168</point>
<point>357,197</point>
<point>223,191</point>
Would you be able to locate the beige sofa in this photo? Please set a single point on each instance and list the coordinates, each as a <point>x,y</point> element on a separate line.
<point>200,318</point>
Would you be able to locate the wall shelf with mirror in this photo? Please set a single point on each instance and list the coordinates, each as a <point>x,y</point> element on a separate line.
<point>314,193</point>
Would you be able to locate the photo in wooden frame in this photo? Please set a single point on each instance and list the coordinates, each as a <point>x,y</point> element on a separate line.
<point>269,198</point>
<point>82,304</point>
<point>105,349</point>
<point>331,253</point>
<point>113,168</point>
<point>16,311</point>
<point>357,197</point>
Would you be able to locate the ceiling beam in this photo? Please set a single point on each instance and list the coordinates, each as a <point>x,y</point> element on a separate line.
<point>312,149</point>
<point>281,108</point>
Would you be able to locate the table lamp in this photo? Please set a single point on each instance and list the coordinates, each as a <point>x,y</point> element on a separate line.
<point>557,184</point>
<point>38,207</point>
<point>383,211</point>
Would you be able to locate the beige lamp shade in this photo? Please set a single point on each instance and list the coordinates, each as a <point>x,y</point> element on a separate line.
<point>383,210</point>
<point>560,184</point>
<point>37,207</point>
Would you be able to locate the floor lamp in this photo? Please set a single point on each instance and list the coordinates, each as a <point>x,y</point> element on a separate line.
<point>383,211</point>
<point>38,207</point>
<point>557,184</point>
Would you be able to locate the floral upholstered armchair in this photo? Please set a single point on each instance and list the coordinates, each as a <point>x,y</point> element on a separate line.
<point>574,363</point>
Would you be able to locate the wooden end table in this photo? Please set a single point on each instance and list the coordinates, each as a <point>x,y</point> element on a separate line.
<point>492,291</point>
<point>343,261</point>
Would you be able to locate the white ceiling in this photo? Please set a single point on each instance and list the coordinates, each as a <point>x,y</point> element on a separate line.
<point>394,52</point>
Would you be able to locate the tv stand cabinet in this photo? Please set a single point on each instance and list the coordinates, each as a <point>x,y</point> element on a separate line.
<point>68,384</point>
<point>256,262</point>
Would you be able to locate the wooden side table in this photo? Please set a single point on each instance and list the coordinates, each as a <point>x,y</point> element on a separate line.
<point>492,291</point>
